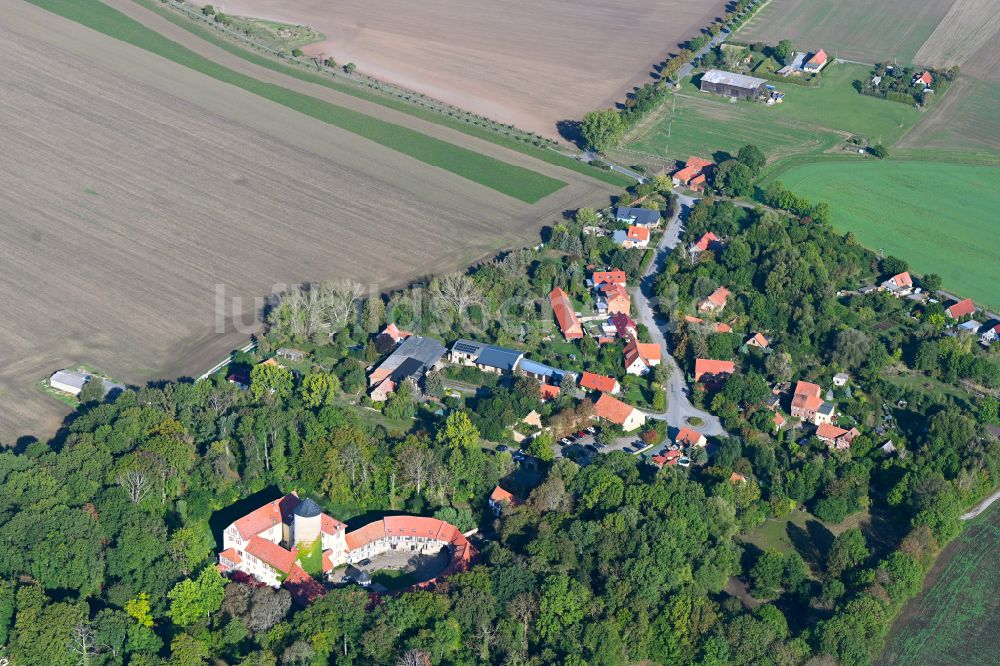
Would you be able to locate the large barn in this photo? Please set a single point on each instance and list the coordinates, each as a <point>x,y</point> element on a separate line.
<point>729,84</point>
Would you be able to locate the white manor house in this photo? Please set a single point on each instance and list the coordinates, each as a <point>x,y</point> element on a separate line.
<point>265,543</point>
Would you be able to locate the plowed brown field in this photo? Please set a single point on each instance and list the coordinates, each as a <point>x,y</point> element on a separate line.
<point>132,187</point>
<point>527,62</point>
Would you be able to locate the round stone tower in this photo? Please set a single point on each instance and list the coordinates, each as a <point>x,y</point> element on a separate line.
<point>307,522</point>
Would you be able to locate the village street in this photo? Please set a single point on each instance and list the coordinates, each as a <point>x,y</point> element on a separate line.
<point>679,407</point>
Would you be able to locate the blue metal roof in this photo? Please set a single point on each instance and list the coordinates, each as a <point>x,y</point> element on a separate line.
<point>542,370</point>
<point>498,357</point>
<point>637,215</point>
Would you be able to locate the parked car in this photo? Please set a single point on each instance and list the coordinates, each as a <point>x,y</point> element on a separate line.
<point>591,448</point>
<point>502,448</point>
<point>592,430</point>
<point>580,434</point>
<point>565,441</point>
<point>347,580</point>
<point>365,562</point>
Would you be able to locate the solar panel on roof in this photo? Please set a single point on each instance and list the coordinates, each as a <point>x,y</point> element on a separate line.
<point>466,348</point>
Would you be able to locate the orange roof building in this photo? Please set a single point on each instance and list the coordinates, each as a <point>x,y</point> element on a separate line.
<point>689,437</point>
<point>640,357</point>
<point>961,309</point>
<point>722,327</point>
<point>501,498</point>
<point>614,276</point>
<point>569,323</point>
<point>708,371</point>
<point>694,168</point>
<point>758,340</point>
<point>548,392</point>
<point>707,240</point>
<point>616,298</point>
<point>600,383</point>
<point>808,404</point>
<point>715,301</point>
<point>614,410</point>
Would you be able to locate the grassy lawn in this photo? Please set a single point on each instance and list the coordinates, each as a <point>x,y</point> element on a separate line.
<point>803,532</point>
<point>809,122</point>
<point>956,619</point>
<point>393,579</point>
<point>930,386</point>
<point>354,89</point>
<point>939,217</point>
<point>515,181</point>
<point>275,34</point>
<point>311,557</point>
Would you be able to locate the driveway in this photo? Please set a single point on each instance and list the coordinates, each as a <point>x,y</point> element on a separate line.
<point>679,407</point>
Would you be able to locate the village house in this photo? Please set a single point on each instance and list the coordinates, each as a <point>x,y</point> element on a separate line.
<point>693,174</point>
<point>290,354</point>
<point>669,457</point>
<point>614,410</point>
<point>708,371</point>
<point>412,360</point>
<point>808,405</point>
<point>721,327</point>
<point>779,421</point>
<point>599,383</point>
<point>961,309</point>
<point>641,217</point>
<point>613,276</point>
<point>488,358</point>
<point>730,84</point>
<point>816,62</point>
<point>635,237</point>
<point>841,379</point>
<point>690,438</point>
<point>624,325</point>
<point>569,323</point>
<point>834,437</point>
<point>641,357</point>
<point>990,334</point>
<point>715,301</point>
<point>548,392</point>
<point>898,285</point>
<point>545,374</point>
<point>613,299</point>
<point>923,79</point>
<point>68,381</point>
<point>501,499</point>
<point>708,241</point>
<point>391,336</point>
<point>759,341</point>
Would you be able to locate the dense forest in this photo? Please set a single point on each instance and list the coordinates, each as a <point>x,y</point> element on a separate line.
<point>111,528</point>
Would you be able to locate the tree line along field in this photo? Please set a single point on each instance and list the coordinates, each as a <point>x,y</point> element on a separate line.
<point>956,618</point>
<point>133,187</point>
<point>941,217</point>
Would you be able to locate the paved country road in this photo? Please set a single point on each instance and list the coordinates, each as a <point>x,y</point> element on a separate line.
<point>982,506</point>
<point>679,407</point>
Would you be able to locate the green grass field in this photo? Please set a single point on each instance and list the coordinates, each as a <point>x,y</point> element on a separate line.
<point>957,617</point>
<point>940,217</point>
<point>809,122</point>
<point>514,181</point>
<point>350,88</point>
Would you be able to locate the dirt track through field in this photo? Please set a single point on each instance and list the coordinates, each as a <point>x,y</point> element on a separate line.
<point>131,187</point>
<point>527,62</point>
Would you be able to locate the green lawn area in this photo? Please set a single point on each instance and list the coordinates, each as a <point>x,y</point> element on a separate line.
<point>802,532</point>
<point>515,181</point>
<point>930,386</point>
<point>941,218</point>
<point>393,579</point>
<point>311,557</point>
<point>956,619</point>
<point>809,122</point>
<point>354,89</point>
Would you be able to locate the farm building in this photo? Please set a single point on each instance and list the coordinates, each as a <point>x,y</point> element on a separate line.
<point>816,62</point>
<point>411,360</point>
<point>68,381</point>
<point>488,358</point>
<point>569,323</point>
<point>729,84</point>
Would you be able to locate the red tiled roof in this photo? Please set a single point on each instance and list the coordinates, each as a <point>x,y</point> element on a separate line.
<point>548,391</point>
<point>807,388</point>
<point>365,535</point>
<point>614,276</point>
<point>232,555</point>
<point>393,331</point>
<point>722,327</point>
<point>685,174</point>
<point>327,561</point>
<point>759,340</point>
<point>961,308</point>
<point>807,396</point>
<point>612,409</point>
<point>329,525</point>
<point>925,78</point>
<point>563,309</point>
<point>271,554</point>
<point>779,420</point>
<point>718,297</point>
<point>622,323</point>
<point>737,477</point>
<point>829,431</point>
<point>694,320</point>
<point>903,279</point>
<point>267,516</point>
<point>699,162</point>
<point>501,495</point>
<point>818,58</point>
<point>638,233</point>
<point>614,292</point>
<point>706,241</point>
<point>688,436</point>
<point>704,366</point>
<point>666,458</point>
<point>595,382</point>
